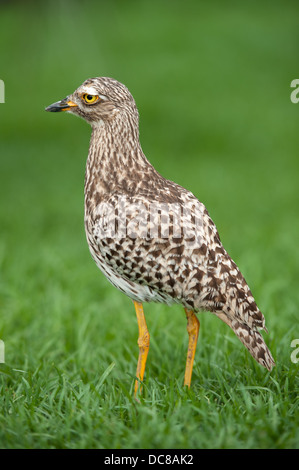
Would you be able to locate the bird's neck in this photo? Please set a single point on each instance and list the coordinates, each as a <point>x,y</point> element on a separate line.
<point>115,160</point>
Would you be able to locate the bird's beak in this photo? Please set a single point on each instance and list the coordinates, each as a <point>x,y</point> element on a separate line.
<point>62,105</point>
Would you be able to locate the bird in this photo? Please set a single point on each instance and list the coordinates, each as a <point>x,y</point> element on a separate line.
<point>152,238</point>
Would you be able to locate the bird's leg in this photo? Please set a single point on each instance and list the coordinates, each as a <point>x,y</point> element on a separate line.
<point>143,343</point>
<point>193,329</point>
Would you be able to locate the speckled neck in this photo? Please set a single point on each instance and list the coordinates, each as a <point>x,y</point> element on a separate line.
<point>115,160</point>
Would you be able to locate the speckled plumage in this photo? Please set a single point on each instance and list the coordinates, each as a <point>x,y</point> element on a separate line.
<point>152,238</point>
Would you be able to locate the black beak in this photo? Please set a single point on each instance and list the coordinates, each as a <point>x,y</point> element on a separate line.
<point>62,105</point>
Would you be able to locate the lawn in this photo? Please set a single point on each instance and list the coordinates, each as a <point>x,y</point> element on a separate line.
<point>212,84</point>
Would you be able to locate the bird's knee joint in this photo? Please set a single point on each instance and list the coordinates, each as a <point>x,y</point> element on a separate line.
<point>144,340</point>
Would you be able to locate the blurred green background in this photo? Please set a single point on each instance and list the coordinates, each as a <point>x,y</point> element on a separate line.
<point>212,84</point>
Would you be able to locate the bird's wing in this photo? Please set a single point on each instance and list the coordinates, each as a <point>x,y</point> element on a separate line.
<point>171,245</point>
<point>158,242</point>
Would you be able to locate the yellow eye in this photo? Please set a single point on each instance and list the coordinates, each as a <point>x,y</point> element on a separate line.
<point>89,99</point>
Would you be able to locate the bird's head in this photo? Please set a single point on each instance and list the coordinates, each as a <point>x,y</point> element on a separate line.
<point>97,100</point>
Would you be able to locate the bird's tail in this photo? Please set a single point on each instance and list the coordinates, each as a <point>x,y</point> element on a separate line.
<point>253,341</point>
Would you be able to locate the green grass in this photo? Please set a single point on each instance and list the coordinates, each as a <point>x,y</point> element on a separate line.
<point>212,83</point>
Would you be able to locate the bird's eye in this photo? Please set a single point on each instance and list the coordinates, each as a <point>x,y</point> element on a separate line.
<point>89,99</point>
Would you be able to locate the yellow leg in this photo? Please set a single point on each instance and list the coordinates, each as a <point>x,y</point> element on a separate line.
<point>143,343</point>
<point>193,329</point>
